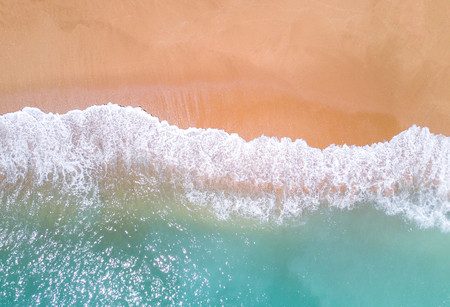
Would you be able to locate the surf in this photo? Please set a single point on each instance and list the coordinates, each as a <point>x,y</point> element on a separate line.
<point>109,148</point>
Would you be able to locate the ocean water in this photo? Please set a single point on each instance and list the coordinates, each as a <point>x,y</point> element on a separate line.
<point>110,207</point>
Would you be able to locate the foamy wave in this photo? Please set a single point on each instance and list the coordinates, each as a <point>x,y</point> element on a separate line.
<point>266,178</point>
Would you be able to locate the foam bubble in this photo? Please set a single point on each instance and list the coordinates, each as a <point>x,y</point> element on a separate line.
<point>265,178</point>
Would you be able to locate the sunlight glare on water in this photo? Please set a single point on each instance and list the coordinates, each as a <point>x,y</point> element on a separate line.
<point>95,214</point>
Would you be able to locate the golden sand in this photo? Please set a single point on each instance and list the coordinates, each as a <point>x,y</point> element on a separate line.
<point>333,71</point>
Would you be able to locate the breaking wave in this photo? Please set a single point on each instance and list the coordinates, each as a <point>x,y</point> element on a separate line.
<point>112,147</point>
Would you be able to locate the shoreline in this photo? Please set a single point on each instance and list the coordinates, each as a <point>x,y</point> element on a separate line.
<point>245,109</point>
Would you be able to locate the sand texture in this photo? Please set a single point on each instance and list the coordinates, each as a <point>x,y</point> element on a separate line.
<point>333,71</point>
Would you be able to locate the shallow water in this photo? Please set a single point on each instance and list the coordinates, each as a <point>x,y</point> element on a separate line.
<point>110,207</point>
<point>125,251</point>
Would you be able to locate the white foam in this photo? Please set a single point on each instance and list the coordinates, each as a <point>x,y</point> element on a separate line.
<point>266,178</point>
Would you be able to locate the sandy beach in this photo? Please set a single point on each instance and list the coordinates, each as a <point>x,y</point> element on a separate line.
<point>353,72</point>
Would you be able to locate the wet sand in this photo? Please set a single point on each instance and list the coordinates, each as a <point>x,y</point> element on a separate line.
<point>353,72</point>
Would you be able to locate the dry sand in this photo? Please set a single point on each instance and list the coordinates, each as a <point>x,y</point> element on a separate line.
<point>332,71</point>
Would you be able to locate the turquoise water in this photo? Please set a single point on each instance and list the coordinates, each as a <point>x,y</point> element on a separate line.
<point>124,251</point>
<point>93,213</point>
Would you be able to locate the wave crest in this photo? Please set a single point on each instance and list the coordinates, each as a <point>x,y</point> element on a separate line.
<point>265,178</point>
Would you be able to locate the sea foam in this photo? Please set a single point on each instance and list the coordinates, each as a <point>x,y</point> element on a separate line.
<point>266,178</point>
